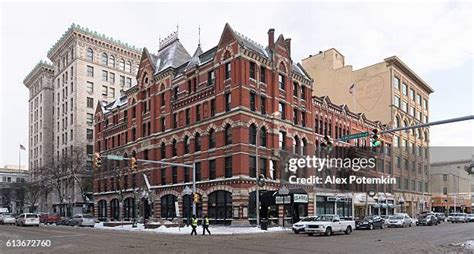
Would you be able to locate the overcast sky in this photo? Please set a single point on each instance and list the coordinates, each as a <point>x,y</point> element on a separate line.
<point>434,39</point>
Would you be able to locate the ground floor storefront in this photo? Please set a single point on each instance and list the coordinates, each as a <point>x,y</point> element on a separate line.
<point>412,203</point>
<point>450,204</point>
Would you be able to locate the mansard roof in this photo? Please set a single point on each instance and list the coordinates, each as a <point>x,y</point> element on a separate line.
<point>172,55</point>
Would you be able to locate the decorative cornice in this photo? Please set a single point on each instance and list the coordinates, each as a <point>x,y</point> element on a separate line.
<point>42,65</point>
<point>86,31</point>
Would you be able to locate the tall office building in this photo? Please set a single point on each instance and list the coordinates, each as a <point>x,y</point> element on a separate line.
<point>394,94</point>
<point>88,67</point>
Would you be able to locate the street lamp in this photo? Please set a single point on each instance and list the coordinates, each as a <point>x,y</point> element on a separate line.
<point>257,173</point>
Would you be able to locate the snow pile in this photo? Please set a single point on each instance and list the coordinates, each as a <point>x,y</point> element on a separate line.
<point>215,230</point>
<point>469,245</point>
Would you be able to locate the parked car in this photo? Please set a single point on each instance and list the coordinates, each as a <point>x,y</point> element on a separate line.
<point>300,225</point>
<point>28,219</point>
<point>428,220</point>
<point>399,220</point>
<point>448,219</point>
<point>385,218</point>
<point>82,220</point>
<point>441,217</point>
<point>63,221</point>
<point>48,218</point>
<point>371,222</point>
<point>470,217</point>
<point>328,224</point>
<point>7,219</point>
<point>458,217</point>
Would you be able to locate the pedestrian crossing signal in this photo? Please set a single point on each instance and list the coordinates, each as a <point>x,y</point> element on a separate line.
<point>134,163</point>
<point>196,198</point>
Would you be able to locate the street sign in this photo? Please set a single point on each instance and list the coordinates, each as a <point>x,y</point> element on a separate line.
<point>114,157</point>
<point>281,200</point>
<point>354,136</point>
<point>283,190</point>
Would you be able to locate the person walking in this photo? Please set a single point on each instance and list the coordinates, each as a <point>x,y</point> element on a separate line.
<point>194,224</point>
<point>205,225</point>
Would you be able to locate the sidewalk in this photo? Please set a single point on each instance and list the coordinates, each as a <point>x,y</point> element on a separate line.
<point>215,230</point>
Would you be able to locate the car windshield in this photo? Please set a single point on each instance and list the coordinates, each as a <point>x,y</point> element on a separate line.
<point>456,214</point>
<point>366,218</point>
<point>308,219</point>
<point>87,216</point>
<point>8,216</point>
<point>397,217</point>
<point>324,218</point>
<point>31,216</point>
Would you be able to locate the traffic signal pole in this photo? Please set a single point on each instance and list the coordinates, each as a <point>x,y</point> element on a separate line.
<point>451,120</point>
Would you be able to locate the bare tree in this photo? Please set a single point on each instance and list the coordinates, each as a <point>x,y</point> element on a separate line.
<point>33,191</point>
<point>80,173</point>
<point>57,177</point>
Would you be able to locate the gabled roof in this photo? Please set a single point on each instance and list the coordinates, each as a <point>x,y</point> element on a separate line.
<point>195,60</point>
<point>252,45</point>
<point>171,56</point>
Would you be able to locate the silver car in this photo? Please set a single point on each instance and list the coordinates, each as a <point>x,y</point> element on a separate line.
<point>28,219</point>
<point>399,220</point>
<point>458,217</point>
<point>82,220</point>
<point>8,219</point>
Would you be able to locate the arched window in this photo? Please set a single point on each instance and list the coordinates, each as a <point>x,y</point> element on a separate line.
<point>186,144</point>
<point>420,135</point>
<point>129,208</point>
<point>188,208</point>
<point>263,137</point>
<point>163,150</point>
<point>305,146</point>
<point>122,65</point>
<point>128,67</point>
<point>104,59</point>
<point>102,209</point>
<point>197,142</point>
<point>220,207</point>
<point>90,54</point>
<point>212,139</point>
<point>114,209</point>
<point>175,148</point>
<point>296,145</point>
<point>397,122</point>
<point>228,134</point>
<point>406,125</point>
<point>167,207</point>
<point>112,61</point>
<point>426,136</point>
<point>252,134</point>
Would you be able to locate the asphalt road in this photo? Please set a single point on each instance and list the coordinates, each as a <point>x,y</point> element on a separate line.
<point>64,239</point>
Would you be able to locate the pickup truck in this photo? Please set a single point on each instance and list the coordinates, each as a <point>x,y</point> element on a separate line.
<point>328,224</point>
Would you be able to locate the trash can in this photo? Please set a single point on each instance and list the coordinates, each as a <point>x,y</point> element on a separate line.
<point>264,224</point>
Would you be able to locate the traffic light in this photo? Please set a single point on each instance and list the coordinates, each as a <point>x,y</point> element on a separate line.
<point>196,198</point>
<point>134,163</point>
<point>261,180</point>
<point>326,144</point>
<point>375,138</point>
<point>97,161</point>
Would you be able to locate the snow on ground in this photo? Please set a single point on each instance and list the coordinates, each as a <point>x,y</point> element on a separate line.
<point>215,230</point>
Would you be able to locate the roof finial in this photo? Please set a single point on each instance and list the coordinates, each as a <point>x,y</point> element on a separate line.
<point>199,36</point>
<point>177,27</point>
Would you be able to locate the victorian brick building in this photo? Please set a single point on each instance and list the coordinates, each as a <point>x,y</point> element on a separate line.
<point>215,109</point>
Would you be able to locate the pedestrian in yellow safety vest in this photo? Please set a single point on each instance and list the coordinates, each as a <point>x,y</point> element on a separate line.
<point>194,224</point>
<point>205,225</point>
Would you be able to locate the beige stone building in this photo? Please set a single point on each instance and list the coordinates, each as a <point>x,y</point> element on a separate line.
<point>394,94</point>
<point>40,127</point>
<point>451,186</point>
<point>88,67</point>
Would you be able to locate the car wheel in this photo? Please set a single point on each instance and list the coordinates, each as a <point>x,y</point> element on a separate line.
<point>296,232</point>
<point>410,224</point>
<point>328,231</point>
<point>310,234</point>
<point>348,230</point>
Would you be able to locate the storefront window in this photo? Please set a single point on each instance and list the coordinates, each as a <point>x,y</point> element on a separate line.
<point>188,208</point>
<point>168,210</point>
<point>114,209</point>
<point>220,207</point>
<point>129,209</point>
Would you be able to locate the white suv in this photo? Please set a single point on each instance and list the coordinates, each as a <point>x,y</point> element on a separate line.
<point>28,219</point>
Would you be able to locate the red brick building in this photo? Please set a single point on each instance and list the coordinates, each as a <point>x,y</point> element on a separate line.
<point>210,109</point>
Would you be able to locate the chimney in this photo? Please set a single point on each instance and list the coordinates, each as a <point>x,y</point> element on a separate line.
<point>288,46</point>
<point>271,38</point>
